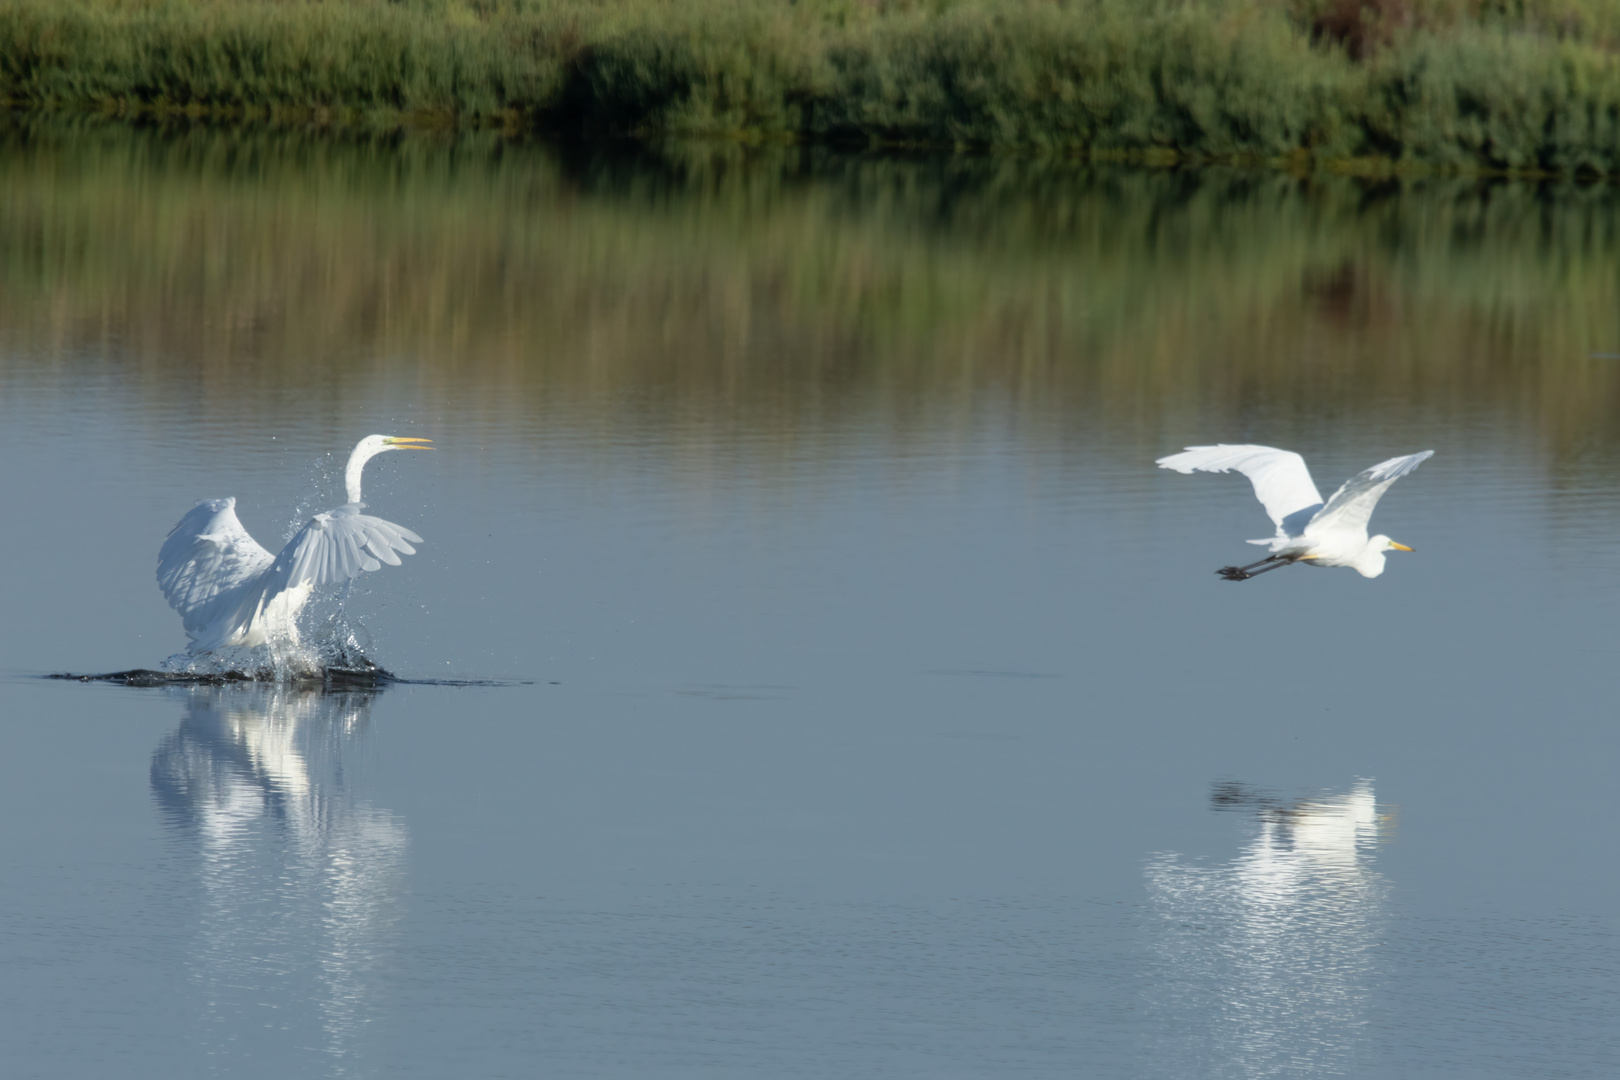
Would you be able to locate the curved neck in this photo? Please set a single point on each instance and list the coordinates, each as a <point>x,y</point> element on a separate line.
<point>1370,563</point>
<point>357,462</point>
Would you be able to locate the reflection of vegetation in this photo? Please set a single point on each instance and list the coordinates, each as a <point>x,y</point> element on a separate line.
<point>734,283</point>
<point>1506,84</point>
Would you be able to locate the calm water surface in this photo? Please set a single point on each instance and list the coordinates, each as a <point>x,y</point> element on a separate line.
<point>873,707</point>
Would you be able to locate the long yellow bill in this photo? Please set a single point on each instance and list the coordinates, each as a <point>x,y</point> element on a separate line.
<point>1399,547</point>
<point>404,443</point>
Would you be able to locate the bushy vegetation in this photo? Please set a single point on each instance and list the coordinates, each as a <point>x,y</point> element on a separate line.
<point>1525,85</point>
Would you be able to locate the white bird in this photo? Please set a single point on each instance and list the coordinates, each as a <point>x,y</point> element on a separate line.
<point>1331,534</point>
<point>231,591</point>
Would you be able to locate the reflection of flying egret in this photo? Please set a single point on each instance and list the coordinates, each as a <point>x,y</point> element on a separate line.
<point>231,591</point>
<point>1268,960</point>
<point>1334,534</point>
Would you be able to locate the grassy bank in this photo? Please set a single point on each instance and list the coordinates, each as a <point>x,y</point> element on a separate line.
<point>1515,85</point>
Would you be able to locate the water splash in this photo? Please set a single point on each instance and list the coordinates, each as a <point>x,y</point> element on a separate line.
<point>333,654</point>
<point>322,491</point>
<point>336,653</point>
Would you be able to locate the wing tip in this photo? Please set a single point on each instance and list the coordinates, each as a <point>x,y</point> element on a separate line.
<point>1169,461</point>
<point>1193,459</point>
<point>1399,466</point>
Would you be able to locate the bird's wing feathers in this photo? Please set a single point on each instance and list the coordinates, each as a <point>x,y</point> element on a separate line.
<point>1352,505</point>
<point>206,561</point>
<point>219,578</point>
<point>1281,481</point>
<point>338,545</point>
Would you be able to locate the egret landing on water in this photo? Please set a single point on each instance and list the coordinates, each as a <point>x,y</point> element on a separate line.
<point>230,591</point>
<point>1334,534</point>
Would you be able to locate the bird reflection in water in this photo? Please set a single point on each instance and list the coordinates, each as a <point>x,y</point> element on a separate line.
<point>1266,963</point>
<point>300,880</point>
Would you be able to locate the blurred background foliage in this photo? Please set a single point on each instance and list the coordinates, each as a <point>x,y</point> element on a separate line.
<point>787,288</point>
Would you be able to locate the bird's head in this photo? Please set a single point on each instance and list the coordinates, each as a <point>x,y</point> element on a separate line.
<point>372,445</point>
<point>1370,563</point>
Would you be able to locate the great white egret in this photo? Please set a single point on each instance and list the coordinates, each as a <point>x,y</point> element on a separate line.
<point>1334,534</point>
<point>231,591</point>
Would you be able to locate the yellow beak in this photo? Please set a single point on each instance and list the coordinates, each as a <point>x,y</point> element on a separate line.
<point>401,442</point>
<point>1399,547</point>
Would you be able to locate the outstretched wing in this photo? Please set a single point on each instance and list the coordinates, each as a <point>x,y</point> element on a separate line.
<point>208,564</point>
<point>1352,505</point>
<point>338,545</point>
<point>1281,481</point>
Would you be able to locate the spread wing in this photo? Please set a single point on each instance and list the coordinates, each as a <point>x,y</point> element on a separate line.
<point>219,578</point>
<point>208,566</point>
<point>338,545</point>
<point>1281,481</point>
<point>1352,505</point>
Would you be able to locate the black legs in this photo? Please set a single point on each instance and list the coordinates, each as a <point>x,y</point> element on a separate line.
<point>1244,573</point>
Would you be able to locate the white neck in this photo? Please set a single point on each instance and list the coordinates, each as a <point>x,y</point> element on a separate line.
<point>369,448</point>
<point>1370,563</point>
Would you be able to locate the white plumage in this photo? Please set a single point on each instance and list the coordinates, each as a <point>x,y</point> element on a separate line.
<point>230,591</point>
<point>1330,534</point>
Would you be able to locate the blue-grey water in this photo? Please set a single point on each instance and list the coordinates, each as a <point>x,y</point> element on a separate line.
<point>867,703</point>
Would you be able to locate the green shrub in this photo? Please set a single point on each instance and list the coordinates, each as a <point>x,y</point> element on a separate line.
<point>1529,85</point>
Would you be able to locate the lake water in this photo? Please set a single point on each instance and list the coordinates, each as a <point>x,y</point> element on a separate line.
<point>868,704</point>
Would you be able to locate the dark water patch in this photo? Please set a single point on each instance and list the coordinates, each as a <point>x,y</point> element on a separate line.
<point>395,680</point>
<point>357,678</point>
<point>331,678</point>
<point>1236,795</point>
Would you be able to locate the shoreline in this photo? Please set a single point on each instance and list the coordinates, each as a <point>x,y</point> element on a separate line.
<point>313,121</point>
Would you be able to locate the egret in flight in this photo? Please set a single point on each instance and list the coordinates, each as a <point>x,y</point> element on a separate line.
<point>1331,534</point>
<point>231,591</point>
